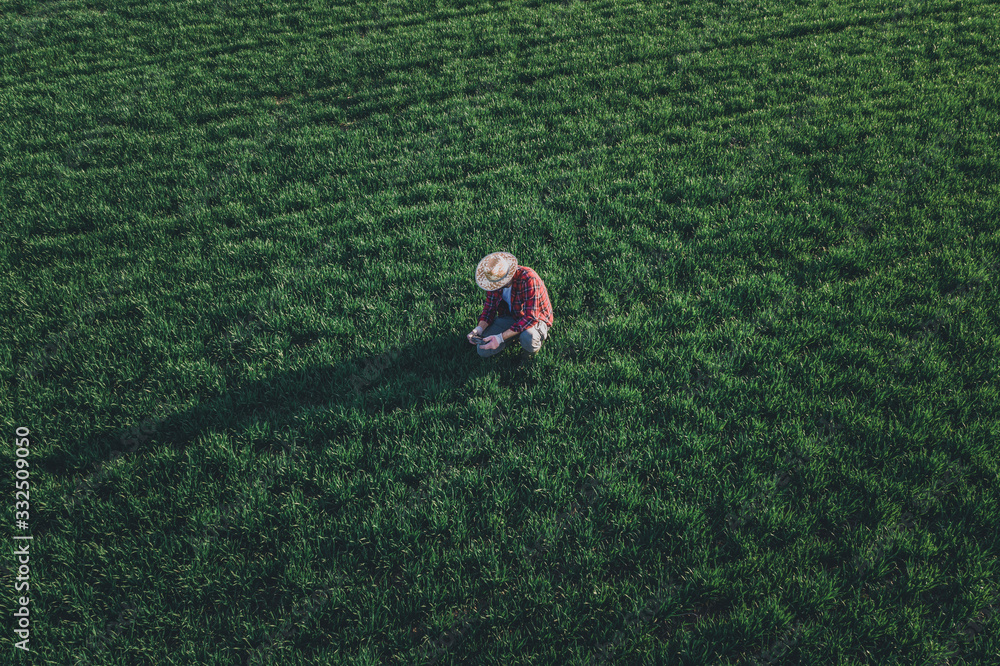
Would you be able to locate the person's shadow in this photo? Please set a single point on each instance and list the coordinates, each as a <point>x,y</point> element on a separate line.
<point>416,377</point>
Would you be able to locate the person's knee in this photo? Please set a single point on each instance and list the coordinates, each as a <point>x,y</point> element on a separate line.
<point>530,341</point>
<point>485,353</point>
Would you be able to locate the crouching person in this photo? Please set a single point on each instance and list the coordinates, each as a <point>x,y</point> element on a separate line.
<point>517,305</point>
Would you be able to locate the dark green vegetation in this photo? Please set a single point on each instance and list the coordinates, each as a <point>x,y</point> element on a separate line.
<point>765,425</point>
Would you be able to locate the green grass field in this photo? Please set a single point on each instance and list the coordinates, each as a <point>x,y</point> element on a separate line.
<point>239,244</point>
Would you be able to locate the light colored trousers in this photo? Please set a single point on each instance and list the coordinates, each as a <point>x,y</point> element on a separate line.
<point>531,339</point>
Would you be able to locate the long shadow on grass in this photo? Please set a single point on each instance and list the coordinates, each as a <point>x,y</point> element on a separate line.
<point>434,372</point>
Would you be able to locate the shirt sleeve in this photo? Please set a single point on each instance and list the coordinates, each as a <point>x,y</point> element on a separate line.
<point>531,293</point>
<point>489,312</point>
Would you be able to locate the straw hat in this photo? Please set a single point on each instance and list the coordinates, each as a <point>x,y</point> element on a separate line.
<point>496,270</point>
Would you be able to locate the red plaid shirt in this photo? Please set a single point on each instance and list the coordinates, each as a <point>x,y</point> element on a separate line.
<point>529,300</point>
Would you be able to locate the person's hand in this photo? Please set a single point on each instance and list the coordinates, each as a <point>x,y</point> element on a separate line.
<point>477,331</point>
<point>492,342</point>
